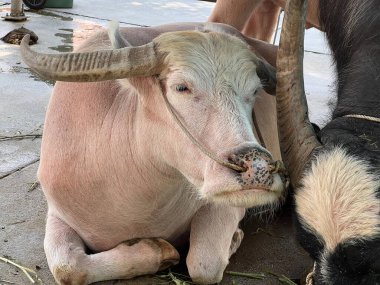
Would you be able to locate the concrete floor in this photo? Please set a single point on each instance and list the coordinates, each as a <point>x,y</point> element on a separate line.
<point>23,101</point>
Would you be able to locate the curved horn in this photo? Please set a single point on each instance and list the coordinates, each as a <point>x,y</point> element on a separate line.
<point>297,137</point>
<point>93,66</point>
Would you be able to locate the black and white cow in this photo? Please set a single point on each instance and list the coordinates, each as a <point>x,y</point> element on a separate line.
<point>337,173</point>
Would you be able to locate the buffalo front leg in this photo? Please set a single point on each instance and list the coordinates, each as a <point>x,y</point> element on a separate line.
<point>214,237</point>
<point>71,265</point>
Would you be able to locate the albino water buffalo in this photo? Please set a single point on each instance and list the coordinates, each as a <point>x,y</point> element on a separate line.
<point>157,150</point>
<point>338,171</point>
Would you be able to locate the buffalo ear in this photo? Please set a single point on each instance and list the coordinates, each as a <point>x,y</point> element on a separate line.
<point>267,75</point>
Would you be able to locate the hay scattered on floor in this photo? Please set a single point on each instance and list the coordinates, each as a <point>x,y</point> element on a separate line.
<point>30,274</point>
<point>259,276</point>
<point>262,275</point>
<point>173,278</point>
<point>6,282</point>
<point>161,279</point>
<point>282,278</point>
<point>33,185</point>
<point>180,279</point>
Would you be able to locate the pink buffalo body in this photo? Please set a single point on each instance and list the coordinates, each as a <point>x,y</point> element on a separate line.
<point>124,183</point>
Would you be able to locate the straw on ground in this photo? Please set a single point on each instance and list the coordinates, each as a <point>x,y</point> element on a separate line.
<point>27,271</point>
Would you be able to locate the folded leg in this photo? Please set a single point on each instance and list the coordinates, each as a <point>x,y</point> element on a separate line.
<point>214,237</point>
<point>70,265</point>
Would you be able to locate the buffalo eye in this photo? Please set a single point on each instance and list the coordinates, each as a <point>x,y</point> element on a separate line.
<point>182,88</point>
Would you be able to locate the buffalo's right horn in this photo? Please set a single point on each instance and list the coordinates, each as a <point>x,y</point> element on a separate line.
<point>94,66</point>
<point>297,137</point>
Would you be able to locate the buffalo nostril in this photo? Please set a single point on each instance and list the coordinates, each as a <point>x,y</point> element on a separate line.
<point>247,161</point>
<point>277,167</point>
<point>257,168</point>
<point>256,164</point>
<point>239,161</point>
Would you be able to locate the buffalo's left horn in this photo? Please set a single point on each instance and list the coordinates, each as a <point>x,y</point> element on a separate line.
<point>94,66</point>
<point>297,136</point>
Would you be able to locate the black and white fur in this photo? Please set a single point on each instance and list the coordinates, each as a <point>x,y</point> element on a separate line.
<point>338,205</point>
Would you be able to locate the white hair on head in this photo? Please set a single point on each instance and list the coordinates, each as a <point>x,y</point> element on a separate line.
<point>338,198</point>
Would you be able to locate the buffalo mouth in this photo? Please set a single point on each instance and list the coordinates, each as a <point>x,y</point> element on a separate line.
<point>248,196</point>
<point>262,181</point>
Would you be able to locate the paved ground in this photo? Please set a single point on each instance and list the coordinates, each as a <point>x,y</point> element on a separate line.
<point>23,101</point>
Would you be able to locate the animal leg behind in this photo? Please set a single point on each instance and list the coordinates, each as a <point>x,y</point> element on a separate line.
<point>214,237</point>
<point>70,265</point>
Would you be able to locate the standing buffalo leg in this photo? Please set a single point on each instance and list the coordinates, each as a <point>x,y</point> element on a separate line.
<point>214,237</point>
<point>71,265</point>
<point>262,23</point>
